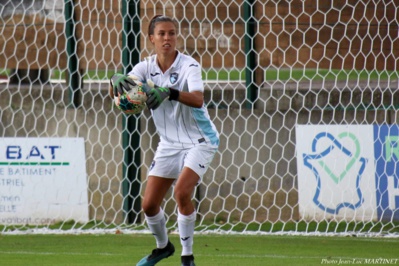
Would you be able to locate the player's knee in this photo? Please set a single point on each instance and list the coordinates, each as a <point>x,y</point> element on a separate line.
<point>150,208</point>
<point>182,197</point>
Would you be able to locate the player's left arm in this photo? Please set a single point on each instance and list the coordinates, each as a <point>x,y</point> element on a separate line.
<point>156,95</point>
<point>193,98</point>
<point>195,95</point>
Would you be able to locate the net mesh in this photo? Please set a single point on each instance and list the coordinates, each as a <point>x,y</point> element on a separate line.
<point>268,67</point>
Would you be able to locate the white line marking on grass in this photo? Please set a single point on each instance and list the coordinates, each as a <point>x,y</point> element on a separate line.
<point>244,256</point>
<point>56,253</point>
<point>275,256</point>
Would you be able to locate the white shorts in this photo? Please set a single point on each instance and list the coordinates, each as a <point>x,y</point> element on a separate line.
<point>170,160</point>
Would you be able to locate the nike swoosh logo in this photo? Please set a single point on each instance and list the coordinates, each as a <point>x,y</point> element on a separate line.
<point>201,165</point>
<point>185,238</point>
<point>155,74</point>
<point>194,65</point>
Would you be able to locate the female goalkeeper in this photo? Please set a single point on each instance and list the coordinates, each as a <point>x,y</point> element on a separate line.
<point>188,138</point>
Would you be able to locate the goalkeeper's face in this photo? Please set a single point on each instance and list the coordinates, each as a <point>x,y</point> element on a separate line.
<point>164,38</point>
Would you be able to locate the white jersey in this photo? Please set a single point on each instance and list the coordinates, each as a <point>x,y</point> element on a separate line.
<point>177,123</point>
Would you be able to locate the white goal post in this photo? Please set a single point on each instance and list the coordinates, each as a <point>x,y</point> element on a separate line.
<point>304,94</point>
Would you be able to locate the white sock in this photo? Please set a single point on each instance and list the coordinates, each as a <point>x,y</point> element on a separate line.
<point>157,225</point>
<point>186,231</point>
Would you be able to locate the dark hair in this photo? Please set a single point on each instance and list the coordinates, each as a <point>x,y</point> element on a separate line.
<point>156,19</point>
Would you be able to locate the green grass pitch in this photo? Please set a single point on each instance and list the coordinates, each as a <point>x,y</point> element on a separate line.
<point>210,250</point>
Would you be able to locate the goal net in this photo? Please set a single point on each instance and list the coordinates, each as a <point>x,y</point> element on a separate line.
<point>303,93</point>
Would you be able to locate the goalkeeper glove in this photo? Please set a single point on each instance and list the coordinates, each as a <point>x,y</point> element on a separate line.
<point>156,95</point>
<point>120,84</point>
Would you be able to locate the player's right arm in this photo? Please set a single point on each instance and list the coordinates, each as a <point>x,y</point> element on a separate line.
<point>119,84</point>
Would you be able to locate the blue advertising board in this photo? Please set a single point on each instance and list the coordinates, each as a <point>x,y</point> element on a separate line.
<point>386,156</point>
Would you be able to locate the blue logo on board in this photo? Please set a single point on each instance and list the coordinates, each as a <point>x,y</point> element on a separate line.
<point>331,176</point>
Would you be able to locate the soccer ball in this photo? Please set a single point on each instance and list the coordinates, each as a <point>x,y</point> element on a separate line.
<point>133,101</point>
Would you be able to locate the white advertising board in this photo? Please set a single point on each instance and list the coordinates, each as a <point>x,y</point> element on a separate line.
<point>336,172</point>
<point>42,180</point>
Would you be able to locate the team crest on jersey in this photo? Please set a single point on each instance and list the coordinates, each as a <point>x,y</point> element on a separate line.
<point>174,77</point>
